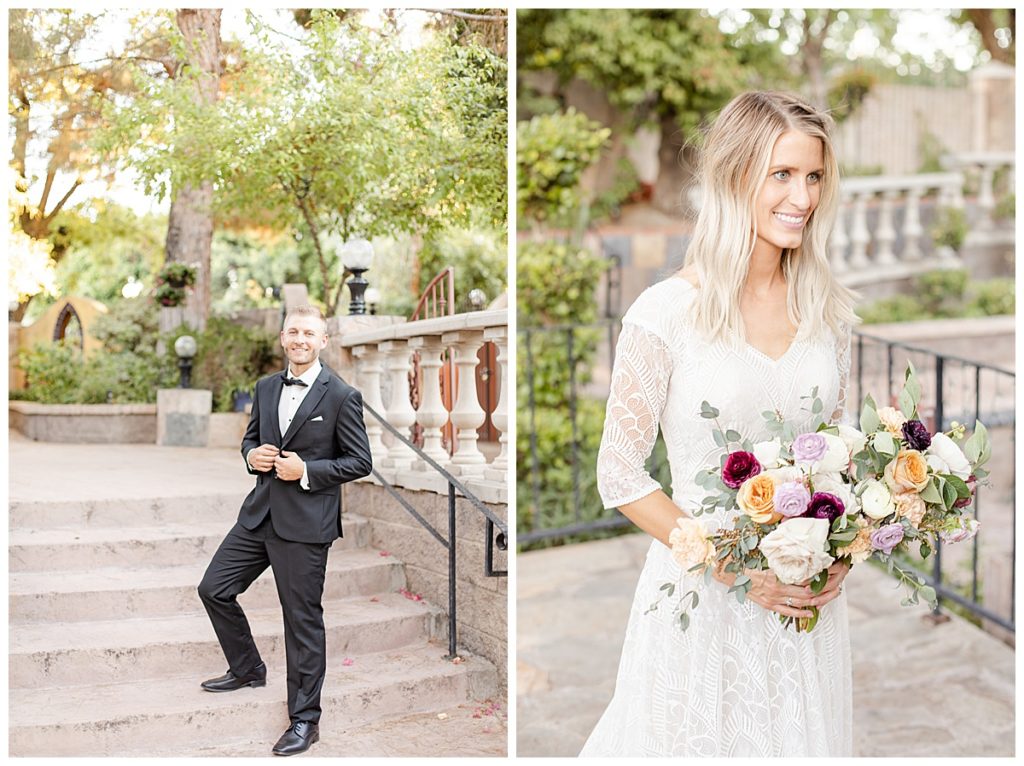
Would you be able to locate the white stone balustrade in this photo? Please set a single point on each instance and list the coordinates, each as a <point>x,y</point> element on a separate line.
<point>860,253</point>
<point>463,335</point>
<point>984,165</point>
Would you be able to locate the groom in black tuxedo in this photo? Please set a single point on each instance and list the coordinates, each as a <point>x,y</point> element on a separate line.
<point>304,440</point>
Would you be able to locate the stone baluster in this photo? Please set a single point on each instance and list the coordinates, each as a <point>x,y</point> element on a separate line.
<point>957,194</point>
<point>498,470</point>
<point>467,415</point>
<point>370,369</point>
<point>838,242</point>
<point>859,234</point>
<point>885,234</point>
<point>400,413</point>
<point>986,199</point>
<point>431,416</point>
<point>912,230</point>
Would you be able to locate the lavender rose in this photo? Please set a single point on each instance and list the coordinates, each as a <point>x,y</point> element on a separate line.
<point>886,538</point>
<point>739,467</point>
<point>963,529</point>
<point>808,448</point>
<point>916,435</point>
<point>791,499</point>
<point>825,505</point>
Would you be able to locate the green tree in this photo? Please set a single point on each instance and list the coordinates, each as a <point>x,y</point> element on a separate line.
<point>55,89</point>
<point>345,135</point>
<point>650,63</point>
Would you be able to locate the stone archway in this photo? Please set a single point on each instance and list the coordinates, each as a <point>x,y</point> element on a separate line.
<point>68,328</point>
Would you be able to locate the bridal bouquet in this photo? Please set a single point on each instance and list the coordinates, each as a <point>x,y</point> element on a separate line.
<point>809,499</point>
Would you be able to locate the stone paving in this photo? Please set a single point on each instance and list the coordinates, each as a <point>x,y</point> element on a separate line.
<point>943,689</point>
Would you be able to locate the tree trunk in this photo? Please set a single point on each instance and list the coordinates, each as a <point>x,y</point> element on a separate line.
<point>190,223</point>
<point>813,60</point>
<point>982,20</point>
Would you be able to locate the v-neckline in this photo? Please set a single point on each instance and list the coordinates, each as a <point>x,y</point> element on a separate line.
<point>745,343</point>
<point>768,358</point>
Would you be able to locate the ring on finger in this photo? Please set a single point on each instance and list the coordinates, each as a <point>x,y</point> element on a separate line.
<point>789,601</point>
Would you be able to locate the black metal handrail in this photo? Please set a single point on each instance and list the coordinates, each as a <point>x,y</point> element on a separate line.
<point>490,520</point>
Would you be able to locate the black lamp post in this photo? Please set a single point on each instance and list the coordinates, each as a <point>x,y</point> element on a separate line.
<point>185,348</point>
<point>357,257</point>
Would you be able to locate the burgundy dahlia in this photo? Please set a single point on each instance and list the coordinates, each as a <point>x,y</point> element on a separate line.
<point>739,467</point>
<point>825,505</point>
<point>916,434</point>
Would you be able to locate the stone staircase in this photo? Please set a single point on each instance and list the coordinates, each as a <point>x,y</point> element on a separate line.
<point>108,638</point>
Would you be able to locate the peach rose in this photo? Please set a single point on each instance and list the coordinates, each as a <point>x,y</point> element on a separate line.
<point>909,471</point>
<point>690,544</point>
<point>911,505</point>
<point>893,420</point>
<point>756,498</point>
<point>859,549</point>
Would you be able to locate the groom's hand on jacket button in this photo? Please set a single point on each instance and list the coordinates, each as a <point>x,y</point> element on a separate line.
<point>262,458</point>
<point>288,466</point>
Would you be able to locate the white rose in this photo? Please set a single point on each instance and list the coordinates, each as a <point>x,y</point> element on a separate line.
<point>784,474</point>
<point>836,458</point>
<point>767,453</point>
<point>944,456</point>
<point>833,484</point>
<point>796,549</point>
<point>854,439</point>
<point>876,500</point>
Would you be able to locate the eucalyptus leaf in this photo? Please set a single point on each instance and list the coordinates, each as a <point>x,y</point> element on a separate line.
<point>931,493</point>
<point>906,403</point>
<point>869,421</point>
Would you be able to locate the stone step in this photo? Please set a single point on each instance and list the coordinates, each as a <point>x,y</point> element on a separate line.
<point>118,512</point>
<point>88,547</point>
<point>175,716</point>
<point>119,594</point>
<point>79,653</point>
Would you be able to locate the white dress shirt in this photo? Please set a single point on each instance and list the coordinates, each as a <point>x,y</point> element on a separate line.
<point>291,400</point>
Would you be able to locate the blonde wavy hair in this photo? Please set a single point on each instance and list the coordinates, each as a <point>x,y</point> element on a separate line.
<point>733,166</point>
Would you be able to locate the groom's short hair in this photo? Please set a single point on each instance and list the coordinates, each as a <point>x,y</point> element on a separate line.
<point>305,311</point>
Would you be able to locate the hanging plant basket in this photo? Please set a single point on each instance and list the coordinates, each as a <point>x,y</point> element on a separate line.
<point>177,274</point>
<point>169,296</point>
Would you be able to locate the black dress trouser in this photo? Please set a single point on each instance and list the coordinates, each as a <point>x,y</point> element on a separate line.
<point>299,574</point>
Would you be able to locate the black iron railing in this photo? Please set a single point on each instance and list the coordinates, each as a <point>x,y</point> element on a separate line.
<point>961,390</point>
<point>955,389</point>
<point>454,485</point>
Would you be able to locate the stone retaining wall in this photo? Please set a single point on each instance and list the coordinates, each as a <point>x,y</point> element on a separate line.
<point>482,607</point>
<point>85,423</point>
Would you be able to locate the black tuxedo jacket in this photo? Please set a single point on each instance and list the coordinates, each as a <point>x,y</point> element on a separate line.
<point>328,434</point>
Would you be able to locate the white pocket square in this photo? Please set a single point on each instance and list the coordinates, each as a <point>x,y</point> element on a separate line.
<point>318,417</point>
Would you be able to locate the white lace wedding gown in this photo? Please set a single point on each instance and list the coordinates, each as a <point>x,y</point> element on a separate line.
<point>736,683</point>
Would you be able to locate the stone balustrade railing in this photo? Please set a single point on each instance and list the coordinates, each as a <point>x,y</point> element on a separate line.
<point>384,361</point>
<point>855,248</point>
<point>870,241</point>
<point>985,166</point>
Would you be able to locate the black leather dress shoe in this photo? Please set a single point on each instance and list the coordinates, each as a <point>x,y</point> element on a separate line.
<point>229,681</point>
<point>297,739</point>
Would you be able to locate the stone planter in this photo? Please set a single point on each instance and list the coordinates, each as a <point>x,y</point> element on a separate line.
<point>85,423</point>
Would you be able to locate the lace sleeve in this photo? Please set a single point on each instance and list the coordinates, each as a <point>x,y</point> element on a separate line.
<point>843,342</point>
<point>639,385</point>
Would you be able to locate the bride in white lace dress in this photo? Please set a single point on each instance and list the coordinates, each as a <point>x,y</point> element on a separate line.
<point>753,323</point>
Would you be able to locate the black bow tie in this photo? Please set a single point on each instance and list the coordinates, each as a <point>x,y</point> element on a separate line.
<point>293,381</point>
